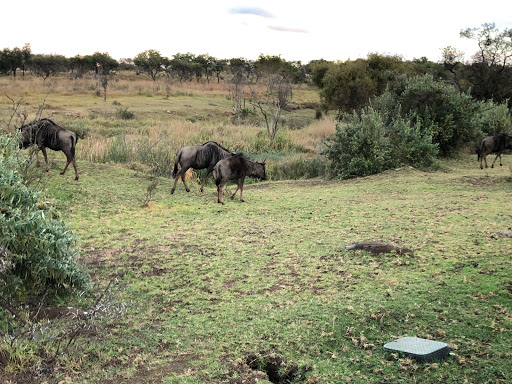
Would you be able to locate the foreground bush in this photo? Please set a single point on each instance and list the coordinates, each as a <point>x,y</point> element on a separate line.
<point>37,250</point>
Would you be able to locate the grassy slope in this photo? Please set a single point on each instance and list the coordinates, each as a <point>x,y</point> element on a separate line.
<point>206,285</point>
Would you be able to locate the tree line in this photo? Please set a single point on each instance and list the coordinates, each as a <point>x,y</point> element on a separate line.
<point>344,86</point>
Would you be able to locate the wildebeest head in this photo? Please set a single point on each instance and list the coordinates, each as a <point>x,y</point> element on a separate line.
<point>27,135</point>
<point>258,170</point>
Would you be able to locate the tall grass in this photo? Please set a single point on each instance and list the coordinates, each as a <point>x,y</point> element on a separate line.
<point>146,122</point>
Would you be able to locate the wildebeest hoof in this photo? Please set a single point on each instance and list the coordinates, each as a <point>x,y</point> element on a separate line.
<point>172,191</point>
<point>76,178</point>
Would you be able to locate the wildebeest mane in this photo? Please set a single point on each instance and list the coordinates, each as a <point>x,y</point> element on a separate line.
<point>217,144</point>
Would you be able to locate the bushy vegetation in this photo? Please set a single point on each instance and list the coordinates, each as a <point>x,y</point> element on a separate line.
<point>37,249</point>
<point>368,144</point>
<point>411,123</point>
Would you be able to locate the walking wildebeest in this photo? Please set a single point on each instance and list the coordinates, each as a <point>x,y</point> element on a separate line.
<point>198,157</point>
<point>237,168</point>
<point>494,144</point>
<point>46,134</point>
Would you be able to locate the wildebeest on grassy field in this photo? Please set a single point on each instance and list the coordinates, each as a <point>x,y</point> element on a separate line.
<point>494,144</point>
<point>236,168</point>
<point>198,157</point>
<point>46,134</point>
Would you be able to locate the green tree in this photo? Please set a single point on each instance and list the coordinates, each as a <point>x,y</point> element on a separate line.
<point>348,86</point>
<point>48,65</point>
<point>183,66</point>
<point>26,55</point>
<point>80,65</point>
<point>11,60</point>
<point>448,116</point>
<point>218,67</point>
<point>150,62</point>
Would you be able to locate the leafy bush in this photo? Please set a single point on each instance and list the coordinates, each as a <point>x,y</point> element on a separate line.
<point>37,250</point>
<point>494,118</point>
<point>124,114</point>
<point>451,118</point>
<point>372,143</point>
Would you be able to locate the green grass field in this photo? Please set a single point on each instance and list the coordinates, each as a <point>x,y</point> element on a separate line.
<point>246,292</point>
<point>205,288</point>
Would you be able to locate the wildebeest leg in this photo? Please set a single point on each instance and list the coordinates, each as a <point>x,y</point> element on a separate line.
<point>74,166</point>
<point>181,174</point>
<point>220,197</point>
<point>241,185</point>
<point>43,149</point>
<point>496,158</point>
<point>38,164</point>
<point>236,190</point>
<point>204,180</point>
<point>71,160</point>
<point>484,159</point>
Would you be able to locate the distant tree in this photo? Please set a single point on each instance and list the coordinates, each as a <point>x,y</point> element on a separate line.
<point>318,69</point>
<point>383,69</point>
<point>103,63</point>
<point>26,55</point>
<point>348,86</point>
<point>205,62</point>
<point>48,65</point>
<point>11,60</point>
<point>240,70</point>
<point>272,101</point>
<point>219,66</point>
<point>150,62</point>
<point>80,65</point>
<point>126,64</point>
<point>183,66</point>
<point>452,60</point>
<point>490,70</point>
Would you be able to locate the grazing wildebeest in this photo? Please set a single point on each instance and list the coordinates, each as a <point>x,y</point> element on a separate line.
<point>46,134</point>
<point>494,144</point>
<point>198,157</point>
<point>237,168</point>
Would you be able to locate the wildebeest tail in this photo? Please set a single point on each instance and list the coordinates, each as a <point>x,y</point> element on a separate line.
<point>480,150</point>
<point>217,176</point>
<point>74,140</point>
<point>175,170</point>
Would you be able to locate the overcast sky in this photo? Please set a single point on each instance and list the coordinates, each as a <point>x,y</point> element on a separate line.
<point>297,30</point>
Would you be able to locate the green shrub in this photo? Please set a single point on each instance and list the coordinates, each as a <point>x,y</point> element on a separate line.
<point>124,114</point>
<point>372,143</point>
<point>37,250</point>
<point>494,118</point>
<point>451,118</point>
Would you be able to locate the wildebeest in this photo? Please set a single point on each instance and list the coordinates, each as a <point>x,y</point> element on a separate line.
<point>198,157</point>
<point>494,144</point>
<point>237,168</point>
<point>46,134</point>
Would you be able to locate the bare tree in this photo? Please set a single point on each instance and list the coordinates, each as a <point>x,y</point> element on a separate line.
<point>271,102</point>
